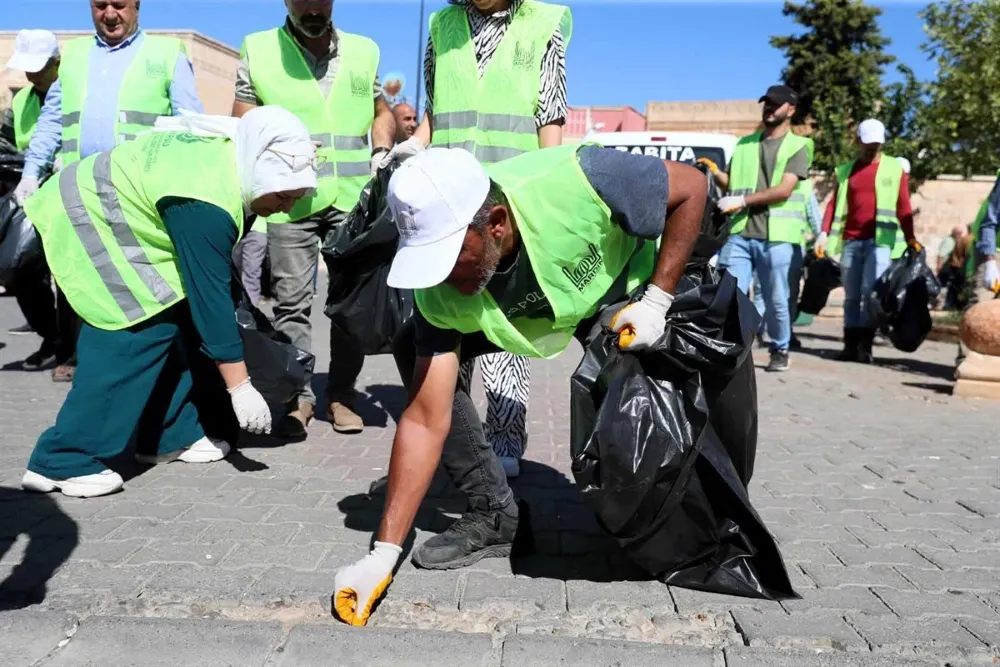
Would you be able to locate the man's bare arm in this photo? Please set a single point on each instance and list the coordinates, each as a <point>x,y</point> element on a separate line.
<point>775,195</point>
<point>384,125</point>
<point>416,449</point>
<point>241,108</point>
<point>685,209</point>
<point>550,135</point>
<point>721,179</point>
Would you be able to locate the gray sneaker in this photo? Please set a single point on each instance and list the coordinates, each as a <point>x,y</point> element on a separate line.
<point>479,533</point>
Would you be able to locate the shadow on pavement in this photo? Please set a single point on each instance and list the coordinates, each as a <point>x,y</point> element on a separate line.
<point>376,404</point>
<point>937,388</point>
<point>558,536</point>
<point>52,536</point>
<point>917,367</point>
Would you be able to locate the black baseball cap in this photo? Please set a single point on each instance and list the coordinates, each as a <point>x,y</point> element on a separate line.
<point>780,95</point>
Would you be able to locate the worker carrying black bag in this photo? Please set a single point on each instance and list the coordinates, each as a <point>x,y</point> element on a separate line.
<point>822,276</point>
<point>902,298</point>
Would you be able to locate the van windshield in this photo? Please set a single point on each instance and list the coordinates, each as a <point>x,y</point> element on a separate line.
<point>677,153</point>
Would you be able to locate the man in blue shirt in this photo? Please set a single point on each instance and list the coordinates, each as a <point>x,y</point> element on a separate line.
<point>986,279</point>
<point>117,42</point>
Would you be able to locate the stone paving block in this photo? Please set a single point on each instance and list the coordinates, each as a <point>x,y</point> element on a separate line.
<point>872,576</point>
<point>918,522</point>
<point>820,519</point>
<point>978,542</point>
<point>101,641</point>
<point>692,602</point>
<point>108,552</point>
<point>934,637</point>
<point>325,516</point>
<point>586,596</point>
<point>325,645</point>
<point>948,559</point>
<point>289,586</point>
<point>808,552</point>
<point>934,581</point>
<point>987,631</point>
<point>134,509</point>
<point>899,538</point>
<point>484,591</point>
<point>861,556</point>
<point>742,656</point>
<point>212,512</point>
<point>317,533</point>
<point>540,651</point>
<point>296,558</point>
<point>123,580</point>
<point>424,587</point>
<point>848,598</point>
<point>950,605</point>
<point>270,498</point>
<point>155,529</point>
<point>816,631</point>
<point>28,636</point>
<point>222,532</point>
<point>164,551</point>
<point>212,582</point>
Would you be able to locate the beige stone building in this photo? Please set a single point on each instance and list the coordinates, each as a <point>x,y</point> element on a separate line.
<point>739,117</point>
<point>215,66</point>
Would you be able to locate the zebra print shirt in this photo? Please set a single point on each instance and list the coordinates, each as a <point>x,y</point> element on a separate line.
<point>487,31</point>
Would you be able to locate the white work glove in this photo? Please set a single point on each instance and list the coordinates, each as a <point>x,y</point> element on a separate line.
<point>404,151</point>
<point>357,587</point>
<point>641,324</point>
<point>731,204</point>
<point>25,188</point>
<point>991,279</point>
<point>820,246</point>
<point>57,164</point>
<point>250,408</point>
<point>379,160</point>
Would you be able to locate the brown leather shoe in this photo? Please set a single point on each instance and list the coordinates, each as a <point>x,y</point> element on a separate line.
<point>293,425</point>
<point>343,418</point>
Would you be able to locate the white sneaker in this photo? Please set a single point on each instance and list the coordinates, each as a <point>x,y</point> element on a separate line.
<point>205,450</point>
<point>511,466</point>
<point>85,486</point>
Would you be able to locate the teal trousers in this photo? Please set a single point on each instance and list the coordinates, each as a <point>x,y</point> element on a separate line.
<point>135,382</point>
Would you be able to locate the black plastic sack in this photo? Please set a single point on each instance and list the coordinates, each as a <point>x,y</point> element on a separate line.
<point>714,223</point>
<point>19,242</point>
<point>278,369</point>
<point>358,254</point>
<point>663,445</point>
<point>901,300</point>
<point>822,276</point>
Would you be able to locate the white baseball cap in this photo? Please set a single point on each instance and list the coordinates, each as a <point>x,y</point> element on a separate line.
<point>32,50</point>
<point>433,197</point>
<point>871,131</point>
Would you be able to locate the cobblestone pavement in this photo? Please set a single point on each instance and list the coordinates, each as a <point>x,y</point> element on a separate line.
<point>883,490</point>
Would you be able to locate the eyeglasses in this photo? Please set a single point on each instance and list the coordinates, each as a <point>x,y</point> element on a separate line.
<point>299,162</point>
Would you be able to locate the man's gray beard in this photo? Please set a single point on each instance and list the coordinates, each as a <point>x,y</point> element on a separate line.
<point>311,31</point>
<point>491,258</point>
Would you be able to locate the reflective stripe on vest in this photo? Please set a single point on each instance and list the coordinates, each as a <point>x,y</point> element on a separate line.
<point>143,95</point>
<point>784,218</point>
<point>26,108</point>
<point>888,232</point>
<point>493,115</point>
<point>576,252</point>
<point>339,121</point>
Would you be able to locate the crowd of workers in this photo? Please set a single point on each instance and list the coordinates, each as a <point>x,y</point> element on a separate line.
<point>144,204</point>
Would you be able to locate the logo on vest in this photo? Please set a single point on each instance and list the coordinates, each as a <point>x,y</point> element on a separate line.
<point>155,69</point>
<point>360,86</point>
<point>188,138</point>
<point>524,57</point>
<point>586,270</point>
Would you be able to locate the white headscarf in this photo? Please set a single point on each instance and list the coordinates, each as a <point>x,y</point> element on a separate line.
<point>274,152</point>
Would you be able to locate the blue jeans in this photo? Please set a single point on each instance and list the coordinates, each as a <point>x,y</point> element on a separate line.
<point>794,283</point>
<point>772,262</point>
<point>861,264</point>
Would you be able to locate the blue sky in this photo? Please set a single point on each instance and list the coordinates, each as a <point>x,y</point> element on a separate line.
<point>621,53</point>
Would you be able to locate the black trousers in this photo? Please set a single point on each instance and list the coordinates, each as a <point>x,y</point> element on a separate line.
<point>50,315</point>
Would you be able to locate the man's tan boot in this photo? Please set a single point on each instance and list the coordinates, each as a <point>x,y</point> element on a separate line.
<point>293,425</point>
<point>344,419</point>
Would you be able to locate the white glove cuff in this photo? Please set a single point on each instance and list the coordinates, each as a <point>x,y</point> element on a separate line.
<point>658,299</point>
<point>238,388</point>
<point>822,237</point>
<point>388,554</point>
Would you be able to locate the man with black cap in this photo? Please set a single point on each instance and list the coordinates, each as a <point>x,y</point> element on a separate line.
<point>767,181</point>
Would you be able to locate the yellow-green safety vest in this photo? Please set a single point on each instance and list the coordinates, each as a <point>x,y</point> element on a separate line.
<point>786,218</point>
<point>108,248</point>
<point>339,122</point>
<point>492,117</point>
<point>26,107</point>
<point>576,251</point>
<point>143,96</point>
<point>805,190</point>
<point>888,232</point>
<point>970,263</point>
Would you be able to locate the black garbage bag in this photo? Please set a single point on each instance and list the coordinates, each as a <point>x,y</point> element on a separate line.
<point>19,242</point>
<point>714,223</point>
<point>901,300</point>
<point>358,254</point>
<point>11,165</point>
<point>278,369</point>
<point>822,276</point>
<point>663,444</point>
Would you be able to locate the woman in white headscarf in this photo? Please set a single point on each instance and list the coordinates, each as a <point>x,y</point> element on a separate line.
<point>140,241</point>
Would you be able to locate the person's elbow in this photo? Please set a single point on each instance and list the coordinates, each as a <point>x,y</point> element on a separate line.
<point>429,417</point>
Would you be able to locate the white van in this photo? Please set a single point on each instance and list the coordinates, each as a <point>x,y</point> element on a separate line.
<point>675,146</point>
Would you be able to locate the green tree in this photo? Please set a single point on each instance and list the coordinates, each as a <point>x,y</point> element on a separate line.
<point>903,111</point>
<point>836,65</point>
<point>961,122</point>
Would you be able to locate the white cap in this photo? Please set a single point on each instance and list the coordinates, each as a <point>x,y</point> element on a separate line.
<point>433,197</point>
<point>871,131</point>
<point>906,164</point>
<point>32,50</point>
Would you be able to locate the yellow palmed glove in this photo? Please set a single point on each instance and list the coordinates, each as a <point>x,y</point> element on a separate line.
<point>358,587</point>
